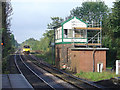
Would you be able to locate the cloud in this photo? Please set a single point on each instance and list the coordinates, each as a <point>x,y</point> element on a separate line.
<point>47,1</point>
<point>31,17</point>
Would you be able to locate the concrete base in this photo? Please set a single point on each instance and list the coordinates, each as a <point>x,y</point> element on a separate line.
<point>15,81</point>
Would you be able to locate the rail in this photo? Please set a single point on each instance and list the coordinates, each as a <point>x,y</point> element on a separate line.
<point>30,71</point>
<point>86,83</point>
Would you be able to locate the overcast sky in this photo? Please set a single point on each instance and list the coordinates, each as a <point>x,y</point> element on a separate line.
<point>30,17</point>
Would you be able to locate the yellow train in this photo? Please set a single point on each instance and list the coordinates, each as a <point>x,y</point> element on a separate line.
<point>26,49</point>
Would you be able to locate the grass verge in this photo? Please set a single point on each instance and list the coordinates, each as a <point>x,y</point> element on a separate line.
<point>46,56</point>
<point>91,76</point>
<point>96,76</point>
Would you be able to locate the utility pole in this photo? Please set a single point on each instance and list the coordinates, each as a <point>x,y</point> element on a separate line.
<point>54,45</point>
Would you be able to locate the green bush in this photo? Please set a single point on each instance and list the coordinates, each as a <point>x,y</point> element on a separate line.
<point>47,56</point>
<point>5,65</point>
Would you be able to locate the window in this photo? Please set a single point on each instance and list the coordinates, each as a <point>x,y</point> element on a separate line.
<point>77,33</point>
<point>70,34</point>
<point>80,33</point>
<point>65,33</point>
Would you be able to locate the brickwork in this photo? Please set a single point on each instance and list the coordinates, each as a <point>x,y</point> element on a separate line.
<point>100,57</point>
<point>62,55</point>
<point>83,60</point>
<point>78,60</point>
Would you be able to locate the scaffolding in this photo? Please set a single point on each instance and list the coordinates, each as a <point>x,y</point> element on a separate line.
<point>93,34</point>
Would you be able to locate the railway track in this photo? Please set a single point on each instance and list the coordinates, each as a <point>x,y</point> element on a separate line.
<point>35,80</point>
<point>77,82</point>
<point>37,77</point>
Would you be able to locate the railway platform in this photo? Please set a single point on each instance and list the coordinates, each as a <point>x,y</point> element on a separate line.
<point>15,81</point>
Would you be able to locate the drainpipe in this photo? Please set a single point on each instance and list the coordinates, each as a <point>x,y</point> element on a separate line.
<point>94,60</point>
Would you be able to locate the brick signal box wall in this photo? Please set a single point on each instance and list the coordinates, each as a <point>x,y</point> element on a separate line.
<point>62,55</point>
<point>82,60</point>
<point>79,59</point>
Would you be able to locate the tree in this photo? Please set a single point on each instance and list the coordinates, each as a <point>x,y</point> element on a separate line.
<point>34,44</point>
<point>14,43</point>
<point>90,11</point>
<point>6,23</point>
<point>114,28</point>
<point>56,21</point>
<point>112,35</point>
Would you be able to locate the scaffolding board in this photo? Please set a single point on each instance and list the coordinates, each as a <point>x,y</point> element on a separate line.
<point>93,28</point>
